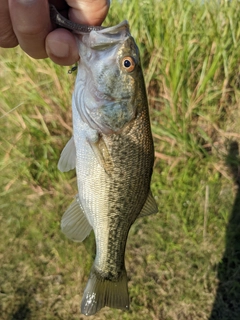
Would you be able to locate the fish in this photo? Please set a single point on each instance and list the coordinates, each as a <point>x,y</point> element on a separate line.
<point>112,152</point>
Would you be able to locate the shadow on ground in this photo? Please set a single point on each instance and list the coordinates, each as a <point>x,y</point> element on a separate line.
<point>22,308</point>
<point>23,312</point>
<point>227,302</point>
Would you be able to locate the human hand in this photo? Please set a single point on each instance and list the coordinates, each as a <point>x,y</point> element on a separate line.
<point>27,23</point>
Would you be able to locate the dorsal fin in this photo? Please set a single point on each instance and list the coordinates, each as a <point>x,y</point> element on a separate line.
<point>150,206</point>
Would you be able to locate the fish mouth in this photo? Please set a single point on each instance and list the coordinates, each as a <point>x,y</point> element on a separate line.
<point>60,20</point>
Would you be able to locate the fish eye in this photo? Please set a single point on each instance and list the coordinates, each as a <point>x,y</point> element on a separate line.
<point>128,64</point>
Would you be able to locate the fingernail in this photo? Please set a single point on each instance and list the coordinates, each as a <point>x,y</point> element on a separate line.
<point>59,49</point>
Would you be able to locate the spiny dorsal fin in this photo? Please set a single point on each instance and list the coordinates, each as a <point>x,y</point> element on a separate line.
<point>74,223</point>
<point>150,206</point>
<point>67,159</point>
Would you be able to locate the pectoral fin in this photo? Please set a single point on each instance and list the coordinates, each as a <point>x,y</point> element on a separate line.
<point>101,153</point>
<point>67,159</point>
<point>74,223</point>
<point>150,206</point>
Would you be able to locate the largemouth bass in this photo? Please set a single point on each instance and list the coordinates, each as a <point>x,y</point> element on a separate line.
<point>112,151</point>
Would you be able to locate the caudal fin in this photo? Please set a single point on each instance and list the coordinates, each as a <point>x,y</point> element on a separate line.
<point>101,292</point>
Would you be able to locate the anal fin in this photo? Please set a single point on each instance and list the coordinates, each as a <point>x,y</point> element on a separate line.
<point>74,223</point>
<point>150,206</point>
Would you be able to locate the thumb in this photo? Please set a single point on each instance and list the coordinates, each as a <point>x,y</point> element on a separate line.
<point>90,12</point>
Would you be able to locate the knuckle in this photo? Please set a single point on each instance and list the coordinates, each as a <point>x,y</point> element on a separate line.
<point>29,31</point>
<point>8,40</point>
<point>36,52</point>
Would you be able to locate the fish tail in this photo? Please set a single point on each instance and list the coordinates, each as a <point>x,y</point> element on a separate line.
<point>101,292</point>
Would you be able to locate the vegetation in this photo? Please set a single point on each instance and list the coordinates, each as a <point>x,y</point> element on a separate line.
<point>184,262</point>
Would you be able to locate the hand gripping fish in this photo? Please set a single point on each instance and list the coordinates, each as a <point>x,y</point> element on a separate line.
<point>112,151</point>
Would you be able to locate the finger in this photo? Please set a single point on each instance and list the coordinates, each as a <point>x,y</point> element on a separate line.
<point>7,36</point>
<point>60,44</point>
<point>31,24</point>
<point>90,12</point>
<point>61,47</point>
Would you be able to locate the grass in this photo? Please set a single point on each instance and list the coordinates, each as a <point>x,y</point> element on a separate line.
<point>184,262</point>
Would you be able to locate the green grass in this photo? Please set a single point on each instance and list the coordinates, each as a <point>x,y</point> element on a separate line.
<point>184,262</point>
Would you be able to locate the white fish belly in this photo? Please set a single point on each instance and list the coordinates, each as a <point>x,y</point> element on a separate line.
<point>92,187</point>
